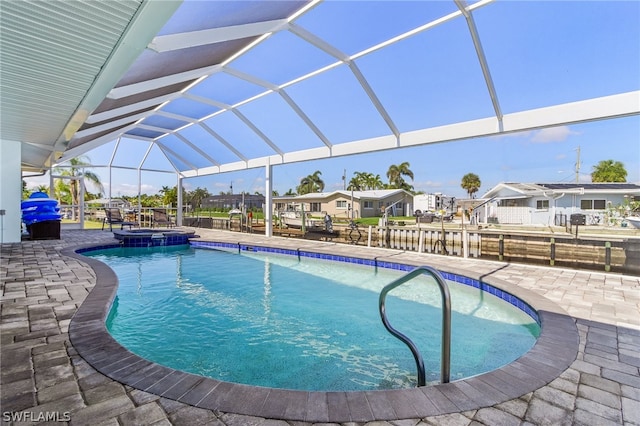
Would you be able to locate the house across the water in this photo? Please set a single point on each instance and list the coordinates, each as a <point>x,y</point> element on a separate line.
<point>553,203</point>
<point>348,204</point>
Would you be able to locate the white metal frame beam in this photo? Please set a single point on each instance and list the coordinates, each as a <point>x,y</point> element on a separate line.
<point>484,65</point>
<point>116,112</point>
<point>196,149</point>
<point>165,149</point>
<point>344,58</point>
<point>223,141</point>
<point>111,124</point>
<point>157,83</point>
<point>179,41</point>
<point>276,89</point>
<point>174,116</point>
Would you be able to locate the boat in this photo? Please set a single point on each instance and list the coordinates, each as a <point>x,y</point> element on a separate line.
<point>293,219</point>
<point>634,221</point>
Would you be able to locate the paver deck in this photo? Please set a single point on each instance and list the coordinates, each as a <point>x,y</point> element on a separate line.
<point>586,369</point>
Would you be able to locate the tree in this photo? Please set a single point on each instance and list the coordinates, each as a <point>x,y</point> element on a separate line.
<point>609,171</point>
<point>470,183</point>
<point>25,191</point>
<point>311,183</point>
<point>290,193</point>
<point>62,192</point>
<point>373,181</point>
<point>77,171</point>
<point>169,195</point>
<point>148,200</point>
<point>395,175</point>
<point>356,183</point>
<point>197,195</point>
<point>362,181</point>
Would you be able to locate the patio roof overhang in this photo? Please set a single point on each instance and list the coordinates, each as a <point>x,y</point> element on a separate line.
<point>218,86</point>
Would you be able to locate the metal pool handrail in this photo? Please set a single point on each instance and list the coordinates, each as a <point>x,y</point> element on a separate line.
<point>446,322</point>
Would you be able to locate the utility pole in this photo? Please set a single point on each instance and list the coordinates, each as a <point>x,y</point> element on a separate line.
<point>578,165</point>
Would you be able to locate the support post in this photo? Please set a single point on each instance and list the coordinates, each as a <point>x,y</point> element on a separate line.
<point>139,197</point>
<point>179,209</point>
<point>268,201</point>
<point>11,191</point>
<point>81,201</point>
<point>465,242</point>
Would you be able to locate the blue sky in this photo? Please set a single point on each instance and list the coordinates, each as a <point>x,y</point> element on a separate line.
<point>539,53</point>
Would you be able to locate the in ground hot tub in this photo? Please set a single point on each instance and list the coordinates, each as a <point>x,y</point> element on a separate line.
<point>153,237</point>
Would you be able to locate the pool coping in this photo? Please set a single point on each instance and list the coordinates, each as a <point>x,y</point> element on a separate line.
<point>553,352</point>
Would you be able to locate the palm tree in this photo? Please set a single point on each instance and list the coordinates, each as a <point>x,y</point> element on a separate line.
<point>62,192</point>
<point>311,183</point>
<point>470,183</point>
<point>373,182</point>
<point>75,172</point>
<point>362,181</point>
<point>197,195</point>
<point>396,173</point>
<point>354,185</point>
<point>609,171</point>
<point>169,195</point>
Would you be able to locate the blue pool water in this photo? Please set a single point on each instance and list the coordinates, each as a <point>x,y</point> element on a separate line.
<point>277,321</point>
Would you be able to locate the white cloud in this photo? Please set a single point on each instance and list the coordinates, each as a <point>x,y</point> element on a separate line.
<point>552,134</point>
<point>130,190</point>
<point>428,184</point>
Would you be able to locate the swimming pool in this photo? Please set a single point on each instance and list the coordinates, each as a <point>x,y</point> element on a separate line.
<point>278,326</point>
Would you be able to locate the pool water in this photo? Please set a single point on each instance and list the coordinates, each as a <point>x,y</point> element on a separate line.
<point>273,320</point>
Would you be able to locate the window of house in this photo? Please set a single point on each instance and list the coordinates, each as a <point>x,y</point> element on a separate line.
<point>367,204</point>
<point>593,204</point>
<point>380,204</point>
<point>315,207</point>
<point>513,203</point>
<point>341,204</point>
<point>542,204</point>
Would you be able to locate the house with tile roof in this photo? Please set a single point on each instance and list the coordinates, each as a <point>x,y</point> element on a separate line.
<point>552,203</point>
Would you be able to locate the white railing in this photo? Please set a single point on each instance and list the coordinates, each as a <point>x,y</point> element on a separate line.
<point>514,215</point>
